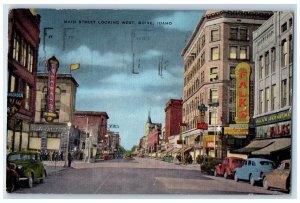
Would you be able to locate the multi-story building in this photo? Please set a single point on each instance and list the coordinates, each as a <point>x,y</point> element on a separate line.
<point>153,138</point>
<point>273,49</point>
<point>221,40</point>
<point>23,43</point>
<point>173,118</point>
<point>53,136</point>
<point>94,127</point>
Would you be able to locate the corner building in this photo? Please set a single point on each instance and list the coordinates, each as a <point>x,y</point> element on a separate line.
<point>220,41</point>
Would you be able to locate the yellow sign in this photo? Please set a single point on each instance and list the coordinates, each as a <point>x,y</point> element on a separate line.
<point>242,75</point>
<point>209,138</point>
<point>236,131</point>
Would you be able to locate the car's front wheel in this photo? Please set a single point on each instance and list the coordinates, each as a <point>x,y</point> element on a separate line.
<point>252,181</point>
<point>265,183</point>
<point>30,181</point>
<point>12,186</point>
<point>236,179</point>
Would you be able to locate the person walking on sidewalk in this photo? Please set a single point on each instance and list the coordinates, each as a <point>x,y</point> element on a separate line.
<point>69,159</point>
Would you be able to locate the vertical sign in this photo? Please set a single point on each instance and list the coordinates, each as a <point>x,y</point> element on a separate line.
<point>242,75</point>
<point>52,66</point>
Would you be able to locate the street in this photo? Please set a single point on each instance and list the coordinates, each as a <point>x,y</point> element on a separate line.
<point>138,176</point>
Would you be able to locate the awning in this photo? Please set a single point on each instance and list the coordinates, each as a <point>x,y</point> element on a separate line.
<point>254,146</point>
<point>169,149</point>
<point>185,149</point>
<point>176,150</point>
<point>277,145</point>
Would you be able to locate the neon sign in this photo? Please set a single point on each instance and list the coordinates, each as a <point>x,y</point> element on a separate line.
<point>242,74</point>
<point>52,65</point>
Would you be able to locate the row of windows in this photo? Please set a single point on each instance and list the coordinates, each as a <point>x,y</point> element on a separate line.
<point>16,84</point>
<point>284,26</point>
<point>22,52</point>
<point>268,100</point>
<point>49,135</point>
<point>235,33</point>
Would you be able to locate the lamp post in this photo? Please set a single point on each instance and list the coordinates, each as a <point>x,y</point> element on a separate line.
<point>68,138</point>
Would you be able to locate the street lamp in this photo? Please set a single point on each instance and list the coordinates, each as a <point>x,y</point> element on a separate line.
<point>68,138</point>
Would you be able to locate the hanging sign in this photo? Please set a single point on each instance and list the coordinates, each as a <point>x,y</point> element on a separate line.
<point>242,75</point>
<point>50,113</point>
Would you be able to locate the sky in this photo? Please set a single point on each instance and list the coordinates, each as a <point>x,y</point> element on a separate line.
<point>130,60</point>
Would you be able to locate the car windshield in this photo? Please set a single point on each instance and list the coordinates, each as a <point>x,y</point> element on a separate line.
<point>14,157</point>
<point>238,161</point>
<point>267,163</point>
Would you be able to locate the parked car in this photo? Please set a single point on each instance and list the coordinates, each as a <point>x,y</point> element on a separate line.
<point>227,166</point>
<point>127,155</point>
<point>12,177</point>
<point>167,158</point>
<point>208,165</point>
<point>253,169</point>
<point>29,166</point>
<point>279,177</point>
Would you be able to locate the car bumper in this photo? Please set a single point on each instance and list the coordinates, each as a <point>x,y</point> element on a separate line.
<point>23,179</point>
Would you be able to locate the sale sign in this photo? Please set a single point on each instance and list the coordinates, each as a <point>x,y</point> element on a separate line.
<point>52,65</point>
<point>242,75</point>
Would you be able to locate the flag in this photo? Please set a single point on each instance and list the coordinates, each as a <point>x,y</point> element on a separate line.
<point>74,66</point>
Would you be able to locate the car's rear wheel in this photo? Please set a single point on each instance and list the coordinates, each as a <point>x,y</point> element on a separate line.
<point>225,175</point>
<point>236,179</point>
<point>265,183</point>
<point>252,181</point>
<point>30,181</point>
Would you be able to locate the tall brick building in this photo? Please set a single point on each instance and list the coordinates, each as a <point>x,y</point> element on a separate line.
<point>173,119</point>
<point>220,41</point>
<point>23,43</point>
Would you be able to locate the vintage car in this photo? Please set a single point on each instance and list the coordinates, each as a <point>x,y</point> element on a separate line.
<point>167,158</point>
<point>208,165</point>
<point>253,169</point>
<point>227,166</point>
<point>12,177</point>
<point>279,177</point>
<point>29,166</point>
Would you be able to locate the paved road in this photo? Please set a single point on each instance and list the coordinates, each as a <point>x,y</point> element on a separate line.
<point>138,176</point>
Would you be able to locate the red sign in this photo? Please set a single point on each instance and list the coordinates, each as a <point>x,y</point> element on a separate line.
<point>280,130</point>
<point>50,113</point>
<point>242,74</point>
<point>202,126</point>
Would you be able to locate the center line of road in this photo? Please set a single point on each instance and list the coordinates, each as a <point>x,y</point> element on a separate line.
<point>103,182</point>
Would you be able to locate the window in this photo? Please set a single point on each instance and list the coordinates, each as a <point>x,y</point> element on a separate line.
<point>233,52</point>
<point>231,116</point>
<point>212,117</point>
<point>12,83</point>
<point>233,33</point>
<point>243,34</point>
<point>267,63</point>
<point>30,60</point>
<point>214,35</point>
<point>213,73</point>
<point>283,93</point>
<point>214,53</point>
<point>213,96</point>
<point>291,22</point>
<point>291,49</point>
<point>284,27</point>
<point>202,59</point>
<point>261,93</point>
<point>16,47</point>
<point>284,55</point>
<point>261,67</point>
<point>273,59</point>
<point>243,52</point>
<point>273,97</point>
<point>267,99</point>
<point>27,97</point>
<point>203,41</point>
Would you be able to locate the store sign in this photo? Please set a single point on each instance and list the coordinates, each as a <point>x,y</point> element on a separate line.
<point>273,118</point>
<point>14,103</point>
<point>274,130</point>
<point>209,145</point>
<point>242,75</point>
<point>236,131</point>
<point>52,65</point>
<point>202,126</point>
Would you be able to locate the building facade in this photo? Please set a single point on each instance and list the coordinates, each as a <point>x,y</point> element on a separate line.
<point>173,111</point>
<point>53,136</point>
<point>221,40</point>
<point>23,43</point>
<point>273,48</point>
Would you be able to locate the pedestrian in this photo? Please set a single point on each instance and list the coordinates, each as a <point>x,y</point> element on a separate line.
<point>69,159</point>
<point>61,156</point>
